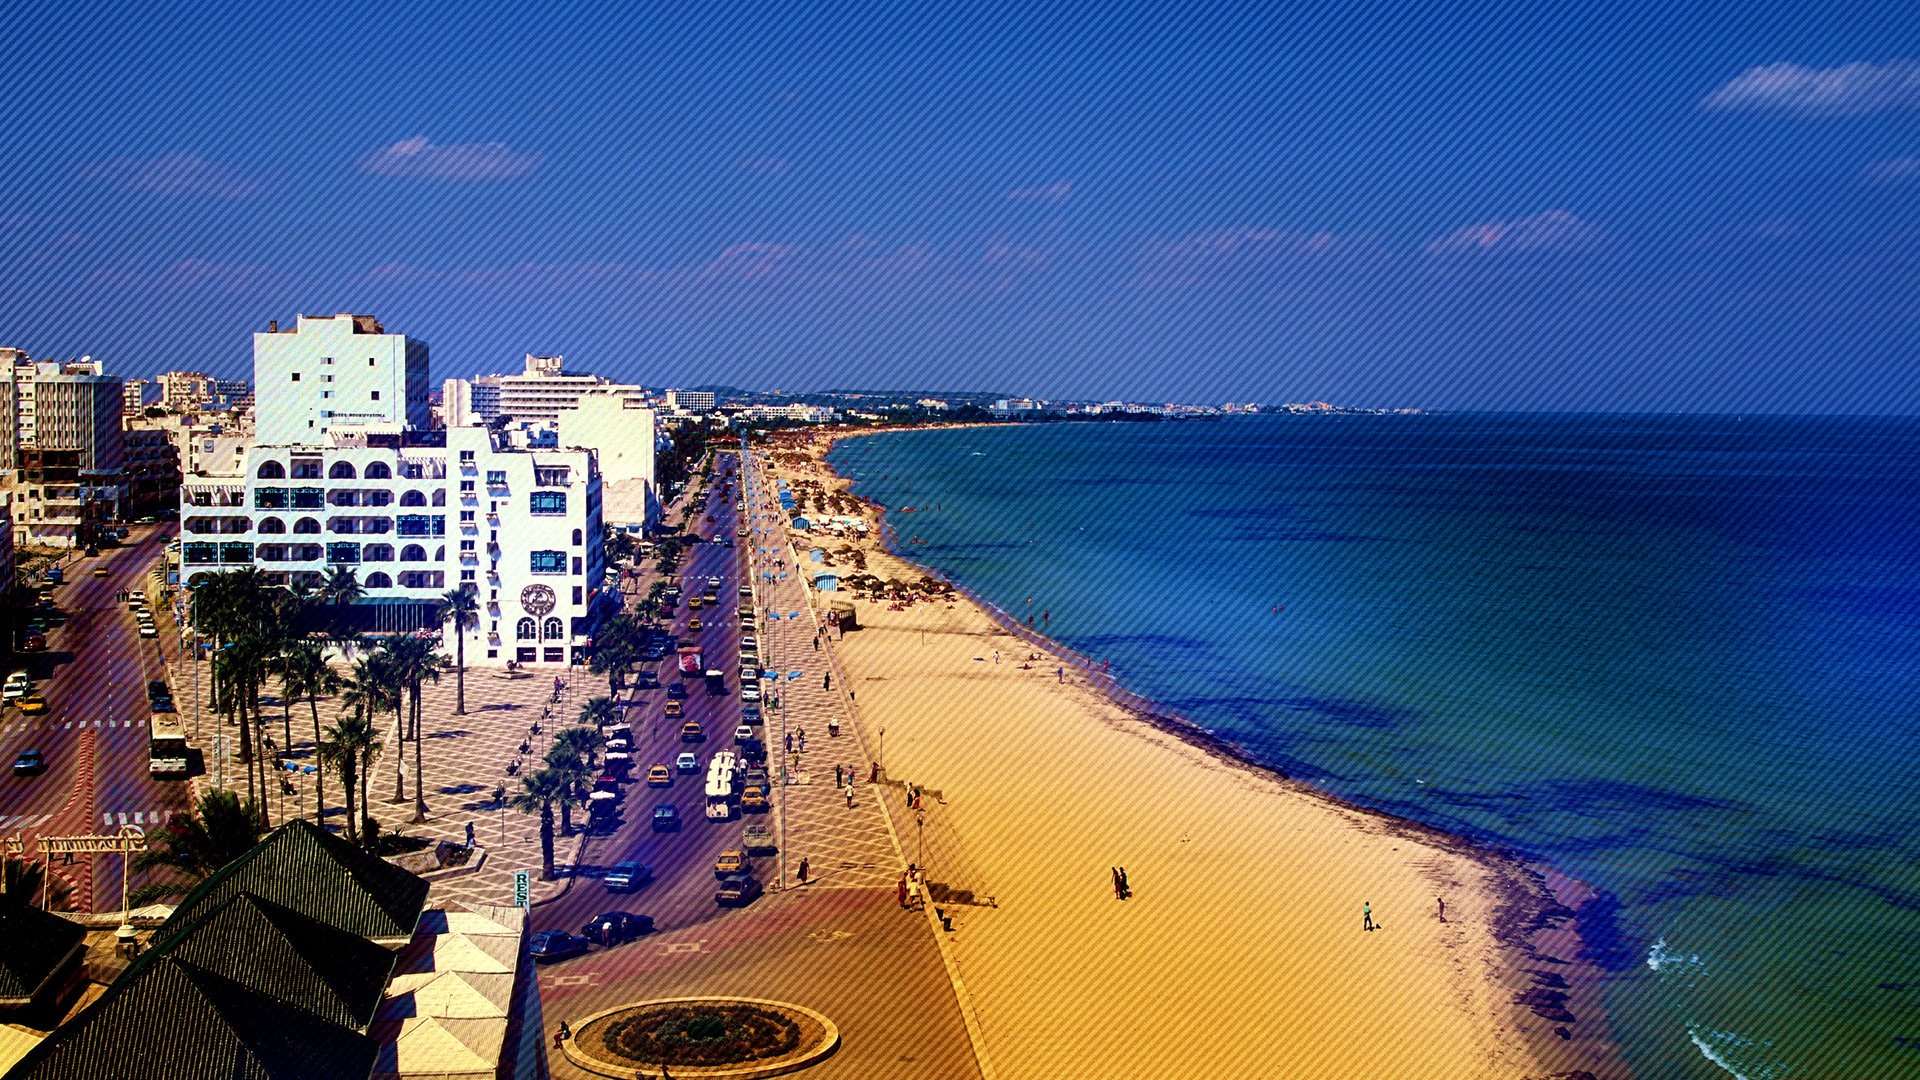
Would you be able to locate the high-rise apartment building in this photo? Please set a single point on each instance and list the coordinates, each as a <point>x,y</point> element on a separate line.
<point>64,449</point>
<point>544,388</point>
<point>335,371</point>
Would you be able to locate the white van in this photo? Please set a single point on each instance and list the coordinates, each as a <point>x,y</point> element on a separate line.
<point>16,687</point>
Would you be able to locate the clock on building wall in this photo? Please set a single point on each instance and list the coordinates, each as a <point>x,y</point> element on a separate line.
<point>536,599</point>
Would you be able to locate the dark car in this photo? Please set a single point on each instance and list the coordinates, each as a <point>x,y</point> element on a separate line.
<point>750,713</point>
<point>737,890</point>
<point>29,763</point>
<point>753,751</point>
<point>93,552</point>
<point>158,689</point>
<point>160,705</point>
<point>647,680</point>
<point>617,927</point>
<point>626,876</point>
<point>666,818</point>
<point>677,691</point>
<point>548,946</point>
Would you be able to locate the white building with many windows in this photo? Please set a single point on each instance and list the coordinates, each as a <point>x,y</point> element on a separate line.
<point>334,371</point>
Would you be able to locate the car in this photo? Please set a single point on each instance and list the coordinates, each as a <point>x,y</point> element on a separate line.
<point>148,630</point>
<point>666,818</point>
<point>673,708</point>
<point>750,694</point>
<point>732,862</point>
<point>742,733</point>
<point>757,839</point>
<point>93,552</point>
<point>33,704</point>
<point>676,690</point>
<point>617,928</point>
<point>741,531</point>
<point>161,705</point>
<point>15,687</point>
<point>737,891</point>
<point>101,571</point>
<point>549,946</point>
<point>157,688</point>
<point>713,583</point>
<point>687,763</point>
<point>749,643</point>
<point>626,876</point>
<point>29,763</point>
<point>648,680</point>
<point>695,624</point>
<point>123,532</point>
<point>148,520</point>
<point>34,642</point>
<point>750,713</point>
<point>690,732</point>
<point>746,590</point>
<point>753,799</point>
<point>659,776</point>
<point>693,602</point>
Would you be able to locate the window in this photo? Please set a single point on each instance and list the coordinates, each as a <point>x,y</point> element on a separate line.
<point>377,553</point>
<point>326,394</point>
<point>496,478</point>
<point>578,599</point>
<point>342,470</point>
<point>371,361</point>
<point>296,376</point>
<point>272,553</point>
<point>236,553</point>
<point>547,502</point>
<point>414,471</point>
<point>466,487</point>
<point>413,553</point>
<point>307,525</point>
<point>526,655</point>
<point>549,562</point>
<point>525,630</point>
<point>550,475</point>
<point>466,456</point>
<point>376,395</point>
<point>576,538</point>
<point>378,580</point>
<point>200,552</point>
<point>413,525</point>
<point>466,576</point>
<point>553,629</point>
<point>412,498</point>
<point>270,498</point>
<point>422,579</point>
<point>577,568</point>
<point>439,524</point>
<point>556,655</point>
<point>306,470</point>
<point>466,545</point>
<point>376,498</point>
<point>326,378</point>
<point>272,525</point>
<point>440,497</point>
<point>466,515</point>
<point>343,552</point>
<point>271,470</point>
<point>308,498</point>
<point>377,470</point>
<point>440,553</point>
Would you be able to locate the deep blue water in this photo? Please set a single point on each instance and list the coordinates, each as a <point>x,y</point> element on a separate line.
<point>1676,657</point>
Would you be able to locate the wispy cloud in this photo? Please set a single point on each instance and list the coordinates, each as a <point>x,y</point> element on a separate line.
<point>765,166</point>
<point>1900,170</point>
<point>1057,192</point>
<point>179,173</point>
<point>1849,90</point>
<point>1547,231</point>
<point>422,158</point>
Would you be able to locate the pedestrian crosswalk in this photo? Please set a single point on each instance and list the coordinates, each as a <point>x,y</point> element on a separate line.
<point>116,818</point>
<point>22,726</point>
<point>18,822</point>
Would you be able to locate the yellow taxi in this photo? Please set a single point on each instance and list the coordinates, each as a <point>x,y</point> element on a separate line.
<point>754,798</point>
<point>695,623</point>
<point>32,704</point>
<point>673,708</point>
<point>659,776</point>
<point>690,732</point>
<point>101,571</point>
<point>694,602</point>
<point>732,862</point>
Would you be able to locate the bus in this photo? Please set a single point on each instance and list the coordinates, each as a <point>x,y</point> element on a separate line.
<point>720,780</point>
<point>166,747</point>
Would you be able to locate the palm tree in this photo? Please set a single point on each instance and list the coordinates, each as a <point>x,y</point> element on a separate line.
<point>461,607</point>
<point>304,673</point>
<point>412,662</point>
<point>600,712</point>
<point>197,845</point>
<point>366,694</point>
<point>351,744</point>
<point>567,764</point>
<point>340,589</point>
<point>537,795</point>
<point>583,742</point>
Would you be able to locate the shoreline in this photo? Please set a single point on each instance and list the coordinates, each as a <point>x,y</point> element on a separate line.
<point>1552,995</point>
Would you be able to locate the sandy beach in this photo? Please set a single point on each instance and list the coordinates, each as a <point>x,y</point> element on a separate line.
<point>1241,950</point>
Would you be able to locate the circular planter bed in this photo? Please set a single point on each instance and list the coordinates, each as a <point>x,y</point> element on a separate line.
<point>735,1038</point>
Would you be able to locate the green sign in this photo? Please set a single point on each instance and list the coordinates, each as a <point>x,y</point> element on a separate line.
<point>521,889</point>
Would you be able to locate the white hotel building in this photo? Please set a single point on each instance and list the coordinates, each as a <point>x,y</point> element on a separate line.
<point>413,512</point>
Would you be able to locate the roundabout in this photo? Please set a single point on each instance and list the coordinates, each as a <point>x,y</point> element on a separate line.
<point>701,1037</point>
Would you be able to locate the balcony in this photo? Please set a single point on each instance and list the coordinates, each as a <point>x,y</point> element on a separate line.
<point>493,517</point>
<point>470,527</point>
<point>468,558</point>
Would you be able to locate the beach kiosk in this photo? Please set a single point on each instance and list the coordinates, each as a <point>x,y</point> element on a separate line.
<point>827,582</point>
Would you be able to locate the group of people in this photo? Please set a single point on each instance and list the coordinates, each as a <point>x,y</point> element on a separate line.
<point>1121,890</point>
<point>909,889</point>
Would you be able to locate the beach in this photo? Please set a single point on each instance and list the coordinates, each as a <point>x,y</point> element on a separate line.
<point>1241,949</point>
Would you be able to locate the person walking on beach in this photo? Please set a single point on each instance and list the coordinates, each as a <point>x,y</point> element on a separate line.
<point>996,656</point>
<point>804,866</point>
<point>1060,673</point>
<point>873,777</point>
<point>1045,618</point>
<point>1366,916</point>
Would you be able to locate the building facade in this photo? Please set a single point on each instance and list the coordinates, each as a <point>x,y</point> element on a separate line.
<point>65,452</point>
<point>542,391</point>
<point>335,371</point>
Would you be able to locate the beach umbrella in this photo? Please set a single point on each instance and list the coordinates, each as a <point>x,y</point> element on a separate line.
<point>791,675</point>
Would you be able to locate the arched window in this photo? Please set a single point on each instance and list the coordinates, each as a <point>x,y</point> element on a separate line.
<point>554,629</point>
<point>440,553</point>
<point>377,553</point>
<point>524,630</point>
<point>272,470</point>
<point>412,498</point>
<point>377,470</point>
<point>440,496</point>
<point>342,470</point>
<point>378,580</point>
<point>413,553</point>
<point>307,525</point>
<point>203,575</point>
<point>576,538</point>
<point>272,525</point>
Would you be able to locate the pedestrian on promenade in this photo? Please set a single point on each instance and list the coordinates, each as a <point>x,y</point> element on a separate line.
<point>1029,622</point>
<point>1366,916</point>
<point>1126,890</point>
<point>816,641</point>
<point>789,742</point>
<point>873,777</point>
<point>1115,871</point>
<point>849,796</point>
<point>804,865</point>
<point>1442,901</point>
<point>903,892</point>
<point>826,681</point>
<point>836,776</point>
<point>803,740</point>
<point>1045,618</point>
<point>469,835</point>
<point>1060,673</point>
<point>565,1031</point>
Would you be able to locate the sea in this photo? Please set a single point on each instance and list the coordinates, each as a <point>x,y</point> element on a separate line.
<point>1675,657</point>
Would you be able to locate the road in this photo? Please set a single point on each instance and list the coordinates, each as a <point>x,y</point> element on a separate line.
<point>93,675</point>
<point>682,890</point>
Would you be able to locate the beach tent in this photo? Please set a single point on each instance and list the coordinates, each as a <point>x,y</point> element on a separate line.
<point>802,524</point>
<point>827,582</point>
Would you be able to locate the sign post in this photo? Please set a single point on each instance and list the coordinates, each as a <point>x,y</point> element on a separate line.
<point>522,890</point>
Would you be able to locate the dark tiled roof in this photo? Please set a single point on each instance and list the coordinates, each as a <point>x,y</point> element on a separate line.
<point>174,1021</point>
<point>285,955</point>
<point>33,944</point>
<point>303,867</point>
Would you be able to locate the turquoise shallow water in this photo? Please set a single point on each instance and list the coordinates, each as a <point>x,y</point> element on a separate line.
<point>1675,657</point>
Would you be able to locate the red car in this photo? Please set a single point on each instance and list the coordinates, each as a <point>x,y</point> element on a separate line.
<point>34,642</point>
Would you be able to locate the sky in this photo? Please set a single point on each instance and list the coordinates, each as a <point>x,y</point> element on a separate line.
<point>1637,207</point>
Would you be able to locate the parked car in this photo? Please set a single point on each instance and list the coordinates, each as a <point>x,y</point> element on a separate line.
<point>157,688</point>
<point>666,818</point>
<point>659,776</point>
<point>626,876</point>
<point>757,839</point>
<point>737,891</point>
<point>676,691</point>
<point>549,946</point>
<point>754,800</point>
<point>92,552</point>
<point>29,763</point>
<point>750,713</point>
<point>616,928</point>
<point>687,763</point>
<point>15,687</point>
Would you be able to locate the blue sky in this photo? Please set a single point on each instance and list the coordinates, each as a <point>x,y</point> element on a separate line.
<point>1711,207</point>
